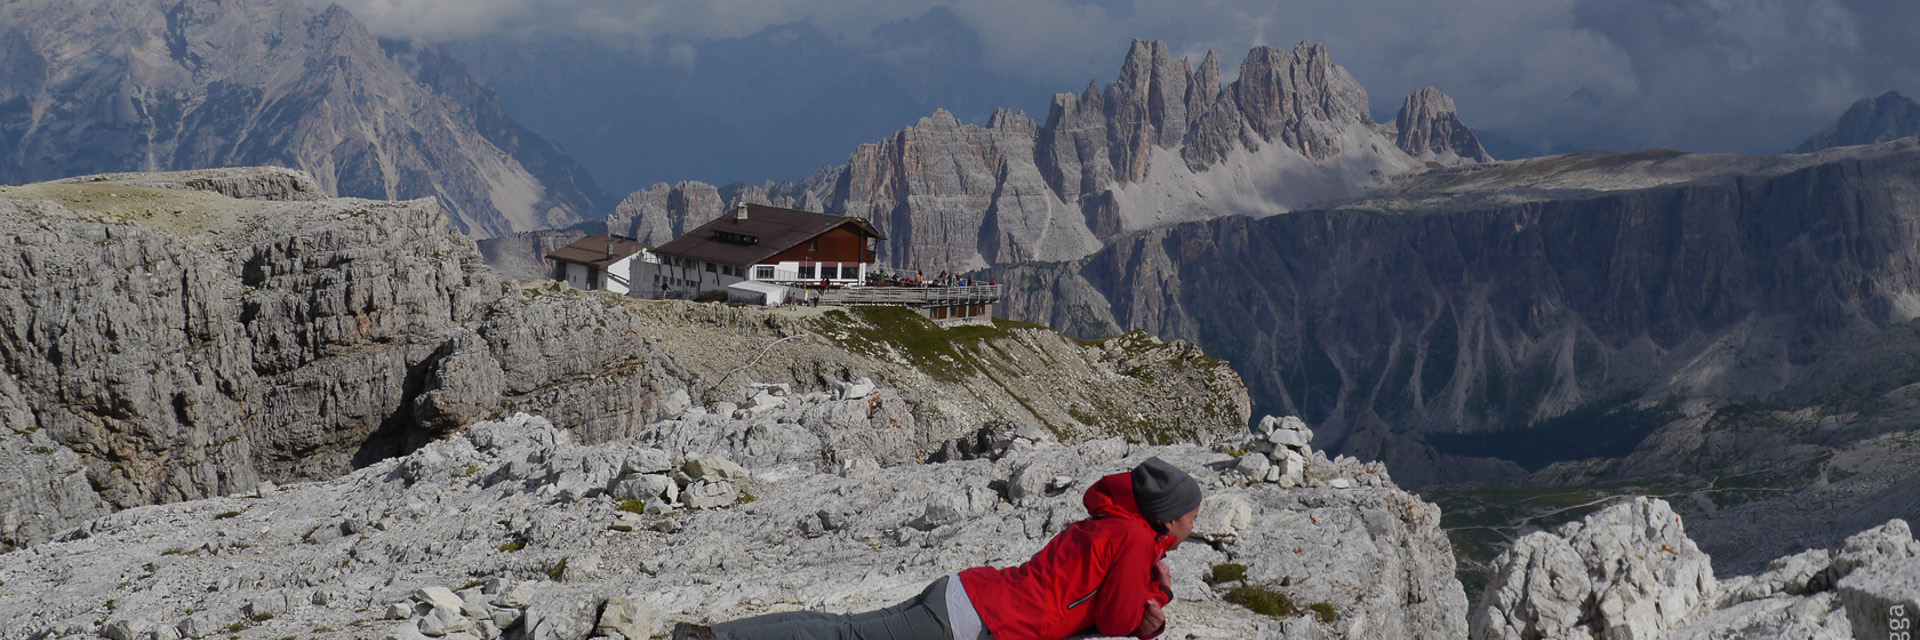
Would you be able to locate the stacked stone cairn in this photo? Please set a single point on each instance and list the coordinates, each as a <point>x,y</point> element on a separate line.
<point>1280,451</point>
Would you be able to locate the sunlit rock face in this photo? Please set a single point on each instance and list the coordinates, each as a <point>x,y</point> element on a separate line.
<point>99,86</point>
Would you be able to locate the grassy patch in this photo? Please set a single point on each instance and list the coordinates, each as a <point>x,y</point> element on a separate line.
<point>1227,572</point>
<point>226,514</point>
<point>558,569</point>
<point>874,331</point>
<point>1323,611</point>
<point>1262,601</point>
<point>512,546</point>
<point>632,505</point>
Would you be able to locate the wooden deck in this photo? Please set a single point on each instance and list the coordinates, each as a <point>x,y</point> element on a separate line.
<point>915,296</point>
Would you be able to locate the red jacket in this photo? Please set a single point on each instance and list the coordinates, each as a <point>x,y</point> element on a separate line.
<point>1097,575</point>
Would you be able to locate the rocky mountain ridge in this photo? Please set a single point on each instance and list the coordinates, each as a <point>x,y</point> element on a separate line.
<point>1490,297</point>
<point>1889,116</point>
<point>1165,142</point>
<point>98,87</point>
<point>165,341</point>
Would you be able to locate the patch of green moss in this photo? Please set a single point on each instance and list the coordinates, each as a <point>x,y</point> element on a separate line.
<point>1323,611</point>
<point>1262,601</point>
<point>226,514</point>
<point>1227,572</point>
<point>512,546</point>
<point>632,505</point>
<point>1131,425</point>
<point>558,569</point>
<point>944,354</point>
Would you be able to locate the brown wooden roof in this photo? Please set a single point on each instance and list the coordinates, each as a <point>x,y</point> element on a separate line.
<point>597,250</point>
<point>772,230</point>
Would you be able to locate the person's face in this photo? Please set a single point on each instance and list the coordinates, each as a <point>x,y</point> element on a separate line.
<point>1182,527</point>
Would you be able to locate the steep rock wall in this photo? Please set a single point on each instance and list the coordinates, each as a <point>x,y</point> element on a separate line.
<point>1441,313</point>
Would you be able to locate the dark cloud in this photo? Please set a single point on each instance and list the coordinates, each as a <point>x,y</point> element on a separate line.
<point>1702,75</point>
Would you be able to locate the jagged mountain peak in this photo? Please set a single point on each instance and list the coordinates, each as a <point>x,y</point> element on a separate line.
<point>106,87</point>
<point>1430,130</point>
<point>1889,116</point>
<point>1165,142</point>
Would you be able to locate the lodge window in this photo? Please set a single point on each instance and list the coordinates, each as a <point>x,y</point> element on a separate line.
<point>763,272</point>
<point>813,245</point>
<point>829,273</point>
<point>711,267</point>
<point>806,272</point>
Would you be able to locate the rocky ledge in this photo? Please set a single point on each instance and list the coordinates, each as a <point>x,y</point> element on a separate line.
<point>1630,572</point>
<point>511,529</point>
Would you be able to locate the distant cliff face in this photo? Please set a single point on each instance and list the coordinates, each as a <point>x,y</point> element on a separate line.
<point>1889,116</point>
<point>95,87</point>
<point>1164,143</point>
<point>1495,297</point>
<point>181,335</point>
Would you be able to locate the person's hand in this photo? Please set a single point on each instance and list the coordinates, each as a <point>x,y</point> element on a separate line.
<point>1153,622</point>
<point>1161,573</point>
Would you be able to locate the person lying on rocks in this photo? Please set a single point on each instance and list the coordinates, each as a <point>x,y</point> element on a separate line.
<point>1105,575</point>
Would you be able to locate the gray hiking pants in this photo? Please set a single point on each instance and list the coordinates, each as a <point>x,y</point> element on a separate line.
<point>922,617</point>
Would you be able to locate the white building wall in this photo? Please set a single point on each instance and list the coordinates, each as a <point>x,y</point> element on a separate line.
<point>667,278</point>
<point>846,273</point>
<point>579,275</point>
<point>617,276</point>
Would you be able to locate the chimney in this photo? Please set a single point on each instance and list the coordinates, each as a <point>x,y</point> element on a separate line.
<point>740,213</point>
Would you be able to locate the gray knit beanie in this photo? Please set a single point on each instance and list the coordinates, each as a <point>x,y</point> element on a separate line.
<point>1163,491</point>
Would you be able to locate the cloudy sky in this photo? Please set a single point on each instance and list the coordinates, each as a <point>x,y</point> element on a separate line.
<point>1698,75</point>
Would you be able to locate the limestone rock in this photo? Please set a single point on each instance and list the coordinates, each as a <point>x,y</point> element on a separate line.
<point>1627,571</point>
<point>1254,466</point>
<point>1222,517</point>
<point>714,468</point>
<point>648,461</point>
<point>1430,130</point>
<point>1818,617</point>
<point>1888,542</point>
<point>438,597</point>
<point>1883,599</point>
<point>224,84</point>
<point>630,617</point>
<point>706,494</point>
<point>644,487</point>
<point>1374,553</point>
<point>561,615</point>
